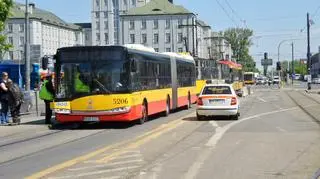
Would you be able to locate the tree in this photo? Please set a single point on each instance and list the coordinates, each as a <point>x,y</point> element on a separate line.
<point>5,6</point>
<point>239,39</point>
<point>299,67</point>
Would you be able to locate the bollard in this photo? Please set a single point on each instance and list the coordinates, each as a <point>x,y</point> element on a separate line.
<point>249,90</point>
<point>37,108</point>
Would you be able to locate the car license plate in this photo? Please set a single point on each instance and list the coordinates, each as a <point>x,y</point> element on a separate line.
<point>91,119</point>
<point>217,101</point>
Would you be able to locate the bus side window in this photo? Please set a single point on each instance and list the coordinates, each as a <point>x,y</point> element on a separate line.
<point>133,65</point>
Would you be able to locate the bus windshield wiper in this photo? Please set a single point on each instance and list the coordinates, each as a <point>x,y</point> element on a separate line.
<point>102,86</point>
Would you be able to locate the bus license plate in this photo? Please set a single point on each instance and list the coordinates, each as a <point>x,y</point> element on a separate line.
<point>91,119</point>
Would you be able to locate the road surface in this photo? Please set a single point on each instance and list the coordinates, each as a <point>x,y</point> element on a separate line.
<point>277,136</point>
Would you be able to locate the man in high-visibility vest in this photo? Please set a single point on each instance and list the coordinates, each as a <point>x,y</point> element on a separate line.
<point>80,86</point>
<point>47,94</point>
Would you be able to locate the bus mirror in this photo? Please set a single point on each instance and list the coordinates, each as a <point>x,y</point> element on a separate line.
<point>133,66</point>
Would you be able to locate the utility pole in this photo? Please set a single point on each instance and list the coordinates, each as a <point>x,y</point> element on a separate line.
<point>27,49</point>
<point>308,52</point>
<point>292,65</point>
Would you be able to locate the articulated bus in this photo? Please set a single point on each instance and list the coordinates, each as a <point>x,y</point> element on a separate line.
<point>120,83</point>
<point>249,78</point>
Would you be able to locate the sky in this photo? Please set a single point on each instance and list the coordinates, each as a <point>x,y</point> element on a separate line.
<point>272,21</point>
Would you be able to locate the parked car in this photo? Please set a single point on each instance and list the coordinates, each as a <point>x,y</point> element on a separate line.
<point>218,100</point>
<point>316,80</point>
<point>275,80</point>
<point>261,81</point>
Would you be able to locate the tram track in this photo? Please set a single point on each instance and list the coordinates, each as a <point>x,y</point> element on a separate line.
<point>314,118</point>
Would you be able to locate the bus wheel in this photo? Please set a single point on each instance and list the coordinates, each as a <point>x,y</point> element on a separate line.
<point>189,100</point>
<point>167,112</point>
<point>144,111</point>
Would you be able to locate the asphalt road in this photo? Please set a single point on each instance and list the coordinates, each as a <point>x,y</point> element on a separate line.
<point>277,136</point>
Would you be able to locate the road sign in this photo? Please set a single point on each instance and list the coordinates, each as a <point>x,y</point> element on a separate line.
<point>266,62</point>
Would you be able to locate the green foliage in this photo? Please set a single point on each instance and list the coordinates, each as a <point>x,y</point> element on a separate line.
<point>5,6</point>
<point>239,39</point>
<point>299,68</point>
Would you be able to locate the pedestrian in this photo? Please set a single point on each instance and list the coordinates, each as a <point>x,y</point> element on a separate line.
<point>15,99</point>
<point>4,98</point>
<point>47,94</point>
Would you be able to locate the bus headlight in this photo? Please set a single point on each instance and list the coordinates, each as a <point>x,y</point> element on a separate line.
<point>119,110</point>
<point>62,111</point>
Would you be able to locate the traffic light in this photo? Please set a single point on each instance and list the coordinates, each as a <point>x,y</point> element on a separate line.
<point>278,66</point>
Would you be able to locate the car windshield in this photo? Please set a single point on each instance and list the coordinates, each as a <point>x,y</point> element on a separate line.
<point>216,90</point>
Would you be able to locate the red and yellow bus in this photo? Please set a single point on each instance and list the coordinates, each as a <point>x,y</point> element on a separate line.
<point>122,83</point>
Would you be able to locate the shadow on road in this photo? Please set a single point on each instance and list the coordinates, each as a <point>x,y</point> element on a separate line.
<point>215,118</point>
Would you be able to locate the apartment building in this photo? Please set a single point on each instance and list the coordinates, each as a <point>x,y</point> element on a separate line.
<point>47,33</point>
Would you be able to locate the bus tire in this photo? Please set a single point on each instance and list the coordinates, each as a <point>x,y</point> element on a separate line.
<point>167,111</point>
<point>189,100</point>
<point>144,111</point>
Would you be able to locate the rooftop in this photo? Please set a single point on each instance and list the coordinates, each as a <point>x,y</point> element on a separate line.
<point>158,7</point>
<point>18,12</point>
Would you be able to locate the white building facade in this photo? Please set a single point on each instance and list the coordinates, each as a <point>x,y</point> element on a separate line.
<point>105,21</point>
<point>162,25</point>
<point>47,33</point>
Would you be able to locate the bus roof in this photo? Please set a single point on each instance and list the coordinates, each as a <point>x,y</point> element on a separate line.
<point>131,48</point>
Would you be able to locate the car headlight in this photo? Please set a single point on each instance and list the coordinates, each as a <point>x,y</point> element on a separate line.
<point>62,111</point>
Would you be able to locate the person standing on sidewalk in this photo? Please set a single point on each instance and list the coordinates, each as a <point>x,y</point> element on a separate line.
<point>47,94</point>
<point>15,99</point>
<point>4,98</point>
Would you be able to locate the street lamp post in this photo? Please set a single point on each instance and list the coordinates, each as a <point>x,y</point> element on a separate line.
<point>27,48</point>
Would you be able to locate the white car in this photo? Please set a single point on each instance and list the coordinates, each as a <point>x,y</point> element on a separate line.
<point>218,100</point>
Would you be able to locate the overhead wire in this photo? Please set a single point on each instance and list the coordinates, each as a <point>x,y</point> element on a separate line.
<point>227,13</point>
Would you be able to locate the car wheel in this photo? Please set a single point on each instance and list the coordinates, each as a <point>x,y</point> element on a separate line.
<point>200,117</point>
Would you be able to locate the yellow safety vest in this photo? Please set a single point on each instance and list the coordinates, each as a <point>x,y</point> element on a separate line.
<point>80,86</point>
<point>44,94</point>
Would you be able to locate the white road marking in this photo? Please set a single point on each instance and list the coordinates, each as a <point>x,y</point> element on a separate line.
<point>214,123</point>
<point>106,165</point>
<point>280,129</point>
<point>96,173</point>
<point>259,98</point>
<point>126,152</point>
<point>211,144</point>
<point>128,156</point>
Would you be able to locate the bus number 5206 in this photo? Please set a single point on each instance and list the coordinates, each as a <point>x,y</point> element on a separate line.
<point>120,101</point>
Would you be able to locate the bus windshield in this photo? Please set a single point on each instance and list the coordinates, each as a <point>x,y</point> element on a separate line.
<point>83,79</point>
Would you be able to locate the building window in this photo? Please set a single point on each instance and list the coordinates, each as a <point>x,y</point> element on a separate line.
<point>106,38</point>
<point>106,3</point>
<point>180,37</point>
<point>131,25</point>
<point>125,2</point>
<point>98,25</point>
<point>97,3</point>
<point>21,53</point>
<point>180,50</point>
<point>168,37</point>
<point>21,41</point>
<point>11,55</point>
<point>86,37</point>
<point>156,49</point>
<point>21,28</point>
<point>143,24</point>
<point>167,23</point>
<point>180,23</point>
<point>155,38</point>
<point>98,36</point>
<point>10,39</point>
<point>10,28</point>
<point>133,2</point>
<point>106,26</point>
<point>155,24</point>
<point>105,14</point>
<point>168,49</point>
<point>144,38</point>
<point>132,38</point>
<point>97,14</point>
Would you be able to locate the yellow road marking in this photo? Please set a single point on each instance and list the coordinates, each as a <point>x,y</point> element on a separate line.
<point>139,141</point>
